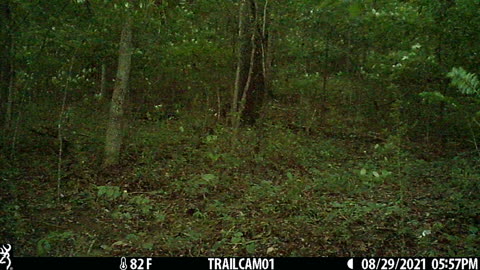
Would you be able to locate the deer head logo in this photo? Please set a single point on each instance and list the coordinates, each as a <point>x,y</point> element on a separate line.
<point>5,259</point>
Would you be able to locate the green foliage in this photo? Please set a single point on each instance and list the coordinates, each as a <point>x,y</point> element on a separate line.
<point>110,193</point>
<point>56,242</point>
<point>466,82</point>
<point>345,161</point>
<point>435,97</point>
<point>143,204</point>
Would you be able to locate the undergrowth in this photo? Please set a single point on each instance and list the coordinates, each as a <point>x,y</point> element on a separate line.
<point>195,188</point>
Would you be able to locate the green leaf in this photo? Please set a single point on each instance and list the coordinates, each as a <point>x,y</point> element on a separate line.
<point>132,237</point>
<point>237,238</point>
<point>147,245</point>
<point>386,173</point>
<point>434,97</point>
<point>466,82</point>
<point>363,172</point>
<point>211,138</point>
<point>208,177</point>
<point>251,248</point>
<point>217,245</point>
<point>119,243</point>
<point>106,247</point>
<point>337,205</point>
<point>376,174</point>
<point>213,157</point>
<point>43,247</point>
<point>160,217</point>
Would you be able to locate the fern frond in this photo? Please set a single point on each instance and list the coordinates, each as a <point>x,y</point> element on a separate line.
<point>466,82</point>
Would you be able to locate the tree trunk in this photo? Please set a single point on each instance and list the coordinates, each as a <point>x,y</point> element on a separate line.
<point>237,92</point>
<point>113,141</point>
<point>249,90</point>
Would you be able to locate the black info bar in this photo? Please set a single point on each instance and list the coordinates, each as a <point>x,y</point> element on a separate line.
<point>240,263</point>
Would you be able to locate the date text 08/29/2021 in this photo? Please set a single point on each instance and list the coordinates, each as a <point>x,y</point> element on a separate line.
<point>419,263</point>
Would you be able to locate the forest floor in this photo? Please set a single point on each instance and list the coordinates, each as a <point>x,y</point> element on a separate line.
<point>189,188</point>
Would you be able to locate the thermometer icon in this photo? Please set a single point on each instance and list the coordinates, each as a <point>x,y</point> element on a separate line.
<point>123,263</point>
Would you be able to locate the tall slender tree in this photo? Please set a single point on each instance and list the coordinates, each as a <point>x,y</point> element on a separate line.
<point>113,141</point>
<point>250,76</point>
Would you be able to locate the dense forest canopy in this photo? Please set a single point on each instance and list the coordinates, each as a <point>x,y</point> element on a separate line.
<point>240,127</point>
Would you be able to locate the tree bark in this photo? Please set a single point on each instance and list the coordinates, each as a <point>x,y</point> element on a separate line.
<point>249,89</point>
<point>242,16</point>
<point>113,141</point>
